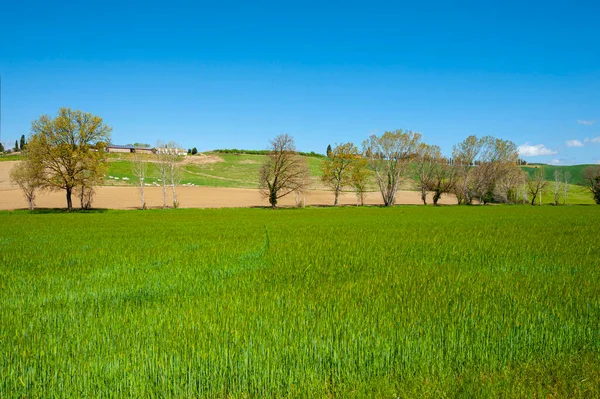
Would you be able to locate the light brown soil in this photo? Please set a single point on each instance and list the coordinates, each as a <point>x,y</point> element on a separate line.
<point>189,197</point>
<point>203,159</point>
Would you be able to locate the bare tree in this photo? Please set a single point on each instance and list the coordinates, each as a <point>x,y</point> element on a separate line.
<point>566,185</point>
<point>556,186</point>
<point>497,159</point>
<point>336,168</point>
<point>444,179</point>
<point>300,192</point>
<point>28,176</point>
<point>174,169</point>
<point>591,175</point>
<point>536,184</point>
<point>464,155</point>
<point>283,171</point>
<point>425,165</point>
<point>139,168</point>
<point>162,164</point>
<point>510,187</point>
<point>389,156</point>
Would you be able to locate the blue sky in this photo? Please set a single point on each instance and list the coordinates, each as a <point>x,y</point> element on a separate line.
<point>236,74</point>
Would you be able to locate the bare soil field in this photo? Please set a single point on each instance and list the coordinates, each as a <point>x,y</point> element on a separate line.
<point>189,197</point>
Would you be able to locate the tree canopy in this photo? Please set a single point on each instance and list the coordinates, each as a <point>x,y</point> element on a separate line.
<point>70,150</point>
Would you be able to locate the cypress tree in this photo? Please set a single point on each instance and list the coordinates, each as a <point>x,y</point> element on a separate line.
<point>329,150</point>
<point>16,145</point>
<point>23,143</point>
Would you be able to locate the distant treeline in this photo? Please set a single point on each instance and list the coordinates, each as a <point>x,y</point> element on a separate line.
<point>263,152</point>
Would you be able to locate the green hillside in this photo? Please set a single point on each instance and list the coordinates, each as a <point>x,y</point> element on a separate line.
<point>209,169</point>
<point>575,170</point>
<point>241,170</point>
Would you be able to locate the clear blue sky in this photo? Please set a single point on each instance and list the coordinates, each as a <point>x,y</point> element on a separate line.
<point>235,74</point>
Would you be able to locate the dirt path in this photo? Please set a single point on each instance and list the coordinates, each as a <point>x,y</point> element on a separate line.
<point>193,197</point>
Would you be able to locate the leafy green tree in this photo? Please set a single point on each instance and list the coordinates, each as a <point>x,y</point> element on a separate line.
<point>328,150</point>
<point>194,151</point>
<point>336,170</point>
<point>23,142</point>
<point>70,152</point>
<point>16,148</point>
<point>360,175</point>
<point>1,147</point>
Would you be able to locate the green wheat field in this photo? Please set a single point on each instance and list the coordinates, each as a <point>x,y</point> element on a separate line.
<point>498,301</point>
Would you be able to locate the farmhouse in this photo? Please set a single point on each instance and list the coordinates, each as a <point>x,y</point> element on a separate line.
<point>114,148</point>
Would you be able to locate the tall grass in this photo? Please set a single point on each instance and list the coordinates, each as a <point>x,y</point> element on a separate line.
<point>366,302</point>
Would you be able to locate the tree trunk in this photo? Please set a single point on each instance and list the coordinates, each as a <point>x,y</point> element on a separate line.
<point>337,193</point>
<point>424,197</point>
<point>273,199</point>
<point>142,194</point>
<point>69,200</point>
<point>533,199</point>
<point>175,202</point>
<point>164,195</point>
<point>436,197</point>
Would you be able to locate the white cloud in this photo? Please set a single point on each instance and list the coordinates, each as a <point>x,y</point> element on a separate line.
<point>528,150</point>
<point>595,140</point>
<point>574,143</point>
<point>585,122</point>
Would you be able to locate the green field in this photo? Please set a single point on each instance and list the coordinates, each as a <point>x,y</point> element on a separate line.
<point>499,301</point>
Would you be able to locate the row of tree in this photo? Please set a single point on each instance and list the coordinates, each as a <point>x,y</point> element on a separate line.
<point>67,153</point>
<point>19,145</point>
<point>481,169</point>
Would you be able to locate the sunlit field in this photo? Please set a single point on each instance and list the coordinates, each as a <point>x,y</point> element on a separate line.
<point>411,301</point>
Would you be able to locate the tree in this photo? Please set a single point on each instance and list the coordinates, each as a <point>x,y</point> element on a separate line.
<point>464,155</point>
<point>169,169</point>
<point>328,150</point>
<point>91,176</point>
<point>194,151</point>
<point>510,187</point>
<point>360,175</point>
<point>139,168</point>
<point>70,150</point>
<point>23,143</point>
<point>28,176</point>
<point>336,170</point>
<point>283,171</point>
<point>566,186</point>
<point>174,170</point>
<point>425,165</point>
<point>556,186</point>
<point>536,183</point>
<point>591,175</point>
<point>1,147</point>
<point>497,159</point>
<point>16,147</point>
<point>444,179</point>
<point>482,165</point>
<point>389,156</point>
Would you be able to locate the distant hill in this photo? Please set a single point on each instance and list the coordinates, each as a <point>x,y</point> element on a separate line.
<point>575,171</point>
